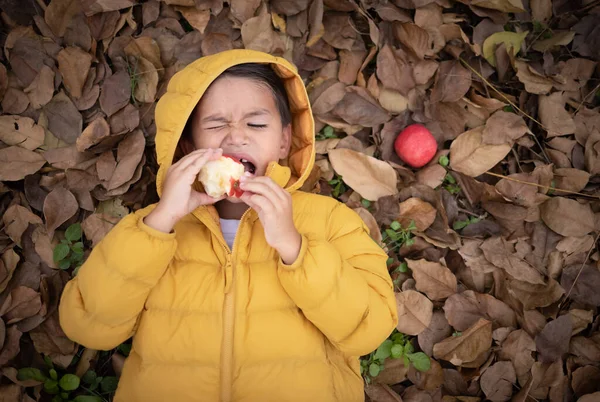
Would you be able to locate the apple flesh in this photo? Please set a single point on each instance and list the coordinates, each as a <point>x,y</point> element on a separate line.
<point>415,145</point>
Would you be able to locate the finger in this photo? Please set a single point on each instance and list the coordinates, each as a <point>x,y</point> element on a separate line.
<point>262,188</point>
<point>196,165</point>
<point>192,157</point>
<point>204,199</point>
<point>259,203</point>
<point>274,187</point>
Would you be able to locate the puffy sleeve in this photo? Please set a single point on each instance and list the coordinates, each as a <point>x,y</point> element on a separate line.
<point>342,285</point>
<point>99,308</point>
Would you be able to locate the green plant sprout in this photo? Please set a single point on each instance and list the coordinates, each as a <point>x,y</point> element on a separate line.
<point>69,252</point>
<point>134,79</point>
<point>61,385</point>
<point>339,187</point>
<point>396,236</point>
<point>450,184</point>
<point>444,161</point>
<point>458,225</point>
<point>397,346</point>
<point>326,133</point>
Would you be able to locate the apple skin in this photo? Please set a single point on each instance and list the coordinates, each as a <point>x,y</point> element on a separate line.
<point>415,145</point>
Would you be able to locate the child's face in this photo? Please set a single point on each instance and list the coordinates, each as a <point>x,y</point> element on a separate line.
<point>240,116</point>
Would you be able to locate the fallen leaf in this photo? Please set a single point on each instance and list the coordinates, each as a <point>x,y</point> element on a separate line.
<point>59,14</point>
<point>59,206</point>
<point>197,18</point>
<point>415,312</point>
<point>504,128</point>
<point>11,393</point>
<point>15,101</point>
<point>497,381</point>
<point>258,34</point>
<point>17,162</point>
<point>64,120</point>
<point>393,372</point>
<point>532,296</point>
<point>437,331</point>
<point>553,342</point>
<point>586,380</point>
<point>382,393</point>
<point>467,347</point>
<point>418,211</point>
<point>512,40</point>
<point>146,78</point>
<point>430,380</point>
<point>115,92</point>
<point>559,38</point>
<point>585,289</point>
<point>74,65</point>
<point>570,179</point>
<point>129,154</point>
<point>8,264</point>
<point>452,82</point>
<point>534,82</point>
<point>96,226</point>
<point>125,120</point>
<point>464,309</point>
<point>369,177</point>
<point>371,223</point>
<point>91,7</point>
<point>41,89</point>
<point>567,217</point>
<point>11,345</point>
<point>499,252</point>
<point>506,6</point>
<point>360,108</point>
<point>469,155</point>
<point>21,131</point>
<point>432,176</point>
<point>433,279</point>
<point>21,303</point>
<point>95,132</point>
<point>580,319</point>
<point>541,10</point>
<point>518,348</point>
<point>414,38</point>
<point>326,96</point>
<point>556,120</point>
<point>394,71</point>
<point>16,219</point>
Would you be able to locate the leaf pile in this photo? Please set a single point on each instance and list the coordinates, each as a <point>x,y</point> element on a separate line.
<point>493,244</point>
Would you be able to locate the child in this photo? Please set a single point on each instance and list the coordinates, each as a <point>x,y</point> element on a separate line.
<point>270,297</point>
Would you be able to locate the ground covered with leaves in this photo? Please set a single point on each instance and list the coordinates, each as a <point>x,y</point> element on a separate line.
<point>493,245</point>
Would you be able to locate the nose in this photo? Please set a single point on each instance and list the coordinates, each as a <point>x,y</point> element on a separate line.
<point>236,136</point>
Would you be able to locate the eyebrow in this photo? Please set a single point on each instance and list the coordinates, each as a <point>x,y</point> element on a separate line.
<point>219,118</point>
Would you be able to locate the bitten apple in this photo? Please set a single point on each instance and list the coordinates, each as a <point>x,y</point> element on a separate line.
<point>222,176</point>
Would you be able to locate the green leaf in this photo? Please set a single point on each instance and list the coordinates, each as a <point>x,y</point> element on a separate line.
<point>374,369</point>
<point>410,242</point>
<point>48,362</point>
<point>73,232</point>
<point>389,261</point>
<point>403,268</point>
<point>57,398</point>
<point>458,225</point>
<point>89,377</point>
<point>328,132</point>
<point>64,395</point>
<point>69,382</point>
<point>390,233</point>
<point>51,386</point>
<point>508,109</point>
<point>384,350</point>
<point>77,247</point>
<point>396,225</point>
<point>449,178</point>
<point>365,203</point>
<point>512,41</point>
<point>87,398</point>
<point>124,348</point>
<point>408,348</point>
<point>444,161</point>
<point>399,338</point>
<point>53,374</point>
<point>109,384</point>
<point>412,226</point>
<point>64,264</point>
<point>30,373</point>
<point>60,252</point>
<point>420,360</point>
<point>397,351</point>
<point>406,361</point>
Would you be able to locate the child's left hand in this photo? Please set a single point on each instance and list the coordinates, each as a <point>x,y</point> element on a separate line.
<point>274,207</point>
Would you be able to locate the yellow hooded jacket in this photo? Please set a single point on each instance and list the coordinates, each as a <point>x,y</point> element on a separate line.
<point>214,324</point>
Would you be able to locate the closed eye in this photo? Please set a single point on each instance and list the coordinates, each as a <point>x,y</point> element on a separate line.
<point>214,128</point>
<point>257,125</point>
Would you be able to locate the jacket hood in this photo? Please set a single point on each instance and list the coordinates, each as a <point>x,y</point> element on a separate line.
<point>186,88</point>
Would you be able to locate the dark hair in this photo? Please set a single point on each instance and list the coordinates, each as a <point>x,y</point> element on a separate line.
<point>262,74</point>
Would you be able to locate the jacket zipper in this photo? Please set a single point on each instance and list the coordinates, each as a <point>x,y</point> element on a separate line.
<point>229,314</point>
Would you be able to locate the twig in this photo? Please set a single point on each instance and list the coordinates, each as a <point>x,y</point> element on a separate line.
<point>540,185</point>
<point>42,4</point>
<point>585,98</point>
<point>466,211</point>
<point>510,103</point>
<point>580,270</point>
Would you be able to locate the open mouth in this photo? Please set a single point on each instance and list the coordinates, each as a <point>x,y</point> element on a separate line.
<point>248,166</point>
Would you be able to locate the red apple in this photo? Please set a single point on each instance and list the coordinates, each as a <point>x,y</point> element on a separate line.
<point>415,145</point>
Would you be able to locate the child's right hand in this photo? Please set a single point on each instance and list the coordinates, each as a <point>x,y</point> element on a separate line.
<point>178,197</point>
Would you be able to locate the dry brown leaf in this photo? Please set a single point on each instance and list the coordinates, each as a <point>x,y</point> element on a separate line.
<point>518,348</point>
<point>497,381</point>
<point>414,38</point>
<point>420,212</point>
<point>504,128</point>
<point>567,217</point>
<point>382,393</point>
<point>358,107</point>
<point>469,155</point>
<point>15,101</point>
<point>432,176</point>
<point>580,319</point>
<point>59,14</point>
<point>16,219</point>
<point>437,331</point>
<point>8,264</point>
<point>541,10</point>
<point>535,83</point>
<point>17,162</point>
<point>394,71</point>
<point>394,372</point>
<point>553,342</point>
<point>115,92</point>
<point>258,34</point>
<point>21,131</point>
<point>64,120</point>
<point>21,303</point>
<point>585,290</point>
<point>147,81</point>
<point>91,7</point>
<point>369,177</point>
<point>129,154</point>
<point>553,115</point>
<point>465,309</point>
<point>41,89</point>
<point>325,97</point>
<point>415,312</point>
<point>96,226</point>
<point>452,82</point>
<point>467,347</point>
<point>506,6</point>
<point>570,179</point>
<point>433,279</point>
<point>532,296</point>
<point>74,65</point>
<point>95,132</point>
<point>59,206</point>
<point>371,223</point>
<point>197,18</point>
<point>501,254</point>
